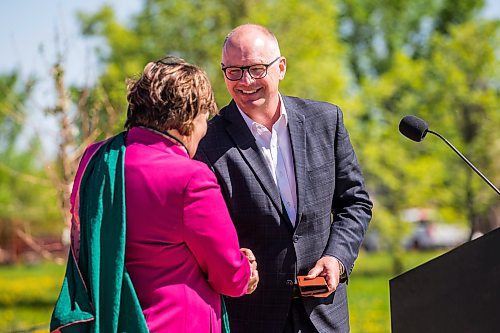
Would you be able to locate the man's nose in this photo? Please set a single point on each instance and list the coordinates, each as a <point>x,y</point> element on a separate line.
<point>246,78</point>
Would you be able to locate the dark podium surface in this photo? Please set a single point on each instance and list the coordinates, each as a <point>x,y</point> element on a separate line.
<point>458,291</point>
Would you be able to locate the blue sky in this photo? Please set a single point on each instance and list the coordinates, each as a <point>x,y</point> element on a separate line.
<point>29,45</point>
<point>28,30</point>
<point>28,26</point>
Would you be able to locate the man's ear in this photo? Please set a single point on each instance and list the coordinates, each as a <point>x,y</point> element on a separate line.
<point>282,66</point>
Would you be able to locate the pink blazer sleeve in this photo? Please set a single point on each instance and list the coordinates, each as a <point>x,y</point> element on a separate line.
<point>211,236</point>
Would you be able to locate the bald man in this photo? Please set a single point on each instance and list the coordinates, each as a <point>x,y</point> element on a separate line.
<point>293,187</point>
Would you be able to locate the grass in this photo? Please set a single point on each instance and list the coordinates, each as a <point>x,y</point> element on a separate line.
<point>28,293</point>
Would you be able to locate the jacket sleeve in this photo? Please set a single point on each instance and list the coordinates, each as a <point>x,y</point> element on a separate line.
<point>351,204</point>
<point>211,236</point>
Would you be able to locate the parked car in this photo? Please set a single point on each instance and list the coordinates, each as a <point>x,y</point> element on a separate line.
<point>428,235</point>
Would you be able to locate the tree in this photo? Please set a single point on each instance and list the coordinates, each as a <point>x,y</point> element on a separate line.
<point>83,115</point>
<point>457,91</point>
<point>161,28</point>
<point>315,56</point>
<point>466,89</point>
<point>195,31</point>
<point>26,197</point>
<point>377,31</point>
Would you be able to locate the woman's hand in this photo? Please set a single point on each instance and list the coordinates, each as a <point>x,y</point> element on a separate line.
<point>254,276</point>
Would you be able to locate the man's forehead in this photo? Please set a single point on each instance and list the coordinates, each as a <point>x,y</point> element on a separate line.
<point>255,50</point>
<point>248,41</point>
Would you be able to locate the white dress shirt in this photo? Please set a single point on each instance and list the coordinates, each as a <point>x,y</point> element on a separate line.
<point>277,150</point>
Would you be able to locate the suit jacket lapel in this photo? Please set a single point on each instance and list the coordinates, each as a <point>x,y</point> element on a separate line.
<point>245,143</point>
<point>297,128</point>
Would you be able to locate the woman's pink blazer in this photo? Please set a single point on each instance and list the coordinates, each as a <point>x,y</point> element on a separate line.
<point>182,251</point>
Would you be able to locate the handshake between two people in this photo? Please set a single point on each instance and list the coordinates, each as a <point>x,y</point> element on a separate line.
<point>254,276</point>
<point>321,280</point>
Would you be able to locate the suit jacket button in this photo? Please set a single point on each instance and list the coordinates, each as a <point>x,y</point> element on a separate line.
<point>289,283</point>
<point>295,238</point>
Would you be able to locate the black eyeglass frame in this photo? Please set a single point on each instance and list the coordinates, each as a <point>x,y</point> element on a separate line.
<point>247,68</point>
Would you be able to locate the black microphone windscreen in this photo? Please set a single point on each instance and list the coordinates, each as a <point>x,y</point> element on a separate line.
<point>413,128</point>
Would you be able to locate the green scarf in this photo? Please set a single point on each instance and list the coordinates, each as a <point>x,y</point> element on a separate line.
<point>97,294</point>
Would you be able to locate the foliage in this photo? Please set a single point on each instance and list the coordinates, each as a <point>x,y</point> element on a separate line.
<point>466,89</point>
<point>377,31</point>
<point>315,61</point>
<point>458,91</point>
<point>12,115</point>
<point>161,28</point>
<point>26,197</point>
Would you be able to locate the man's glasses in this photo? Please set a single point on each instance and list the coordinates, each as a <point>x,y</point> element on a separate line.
<point>257,71</point>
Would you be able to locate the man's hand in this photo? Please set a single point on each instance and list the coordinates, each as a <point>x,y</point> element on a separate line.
<point>329,267</point>
<point>254,276</point>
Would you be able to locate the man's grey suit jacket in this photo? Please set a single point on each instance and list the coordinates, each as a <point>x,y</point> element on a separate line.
<point>328,180</point>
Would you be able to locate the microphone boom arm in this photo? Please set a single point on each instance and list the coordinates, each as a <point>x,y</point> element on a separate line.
<point>466,161</point>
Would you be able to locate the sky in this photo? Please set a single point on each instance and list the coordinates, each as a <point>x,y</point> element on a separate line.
<point>32,32</point>
<point>28,30</point>
<point>29,26</point>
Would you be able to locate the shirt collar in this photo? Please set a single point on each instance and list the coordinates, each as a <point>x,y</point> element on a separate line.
<point>253,125</point>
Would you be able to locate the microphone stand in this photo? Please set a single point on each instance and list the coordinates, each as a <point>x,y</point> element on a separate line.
<point>466,161</point>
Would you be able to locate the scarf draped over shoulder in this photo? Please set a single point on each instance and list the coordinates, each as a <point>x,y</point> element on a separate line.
<point>97,294</point>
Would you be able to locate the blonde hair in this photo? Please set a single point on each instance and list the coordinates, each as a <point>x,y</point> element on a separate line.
<point>169,94</point>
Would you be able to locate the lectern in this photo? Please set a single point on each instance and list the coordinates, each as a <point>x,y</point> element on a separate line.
<point>456,292</point>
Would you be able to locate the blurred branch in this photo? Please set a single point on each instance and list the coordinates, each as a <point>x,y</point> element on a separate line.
<point>28,240</point>
<point>29,178</point>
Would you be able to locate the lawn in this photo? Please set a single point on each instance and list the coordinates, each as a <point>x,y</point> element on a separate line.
<point>27,293</point>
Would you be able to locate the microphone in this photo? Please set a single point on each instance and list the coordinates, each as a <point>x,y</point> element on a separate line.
<point>416,129</point>
<point>413,128</point>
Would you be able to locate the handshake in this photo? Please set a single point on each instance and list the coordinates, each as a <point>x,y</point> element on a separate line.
<point>254,276</point>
